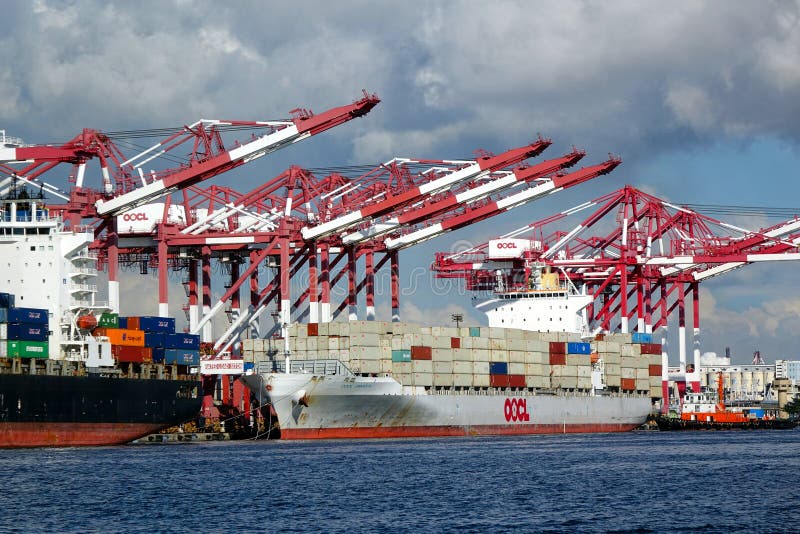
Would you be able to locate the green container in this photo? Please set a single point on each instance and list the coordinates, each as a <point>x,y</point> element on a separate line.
<point>28,349</point>
<point>474,331</point>
<point>108,320</point>
<point>401,355</point>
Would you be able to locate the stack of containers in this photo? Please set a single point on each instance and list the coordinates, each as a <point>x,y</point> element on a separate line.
<point>23,331</point>
<point>145,339</point>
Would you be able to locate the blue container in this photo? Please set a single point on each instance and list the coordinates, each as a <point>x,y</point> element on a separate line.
<point>498,368</point>
<point>182,357</point>
<point>757,412</point>
<point>151,323</point>
<point>154,339</point>
<point>249,366</point>
<point>182,341</point>
<point>579,348</point>
<point>27,315</point>
<point>123,322</point>
<point>642,337</point>
<point>158,354</point>
<point>6,300</point>
<point>475,331</point>
<point>27,332</point>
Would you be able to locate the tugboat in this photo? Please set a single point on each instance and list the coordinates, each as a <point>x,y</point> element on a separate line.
<point>707,411</point>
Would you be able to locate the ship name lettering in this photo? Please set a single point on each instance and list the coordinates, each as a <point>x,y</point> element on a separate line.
<point>516,410</point>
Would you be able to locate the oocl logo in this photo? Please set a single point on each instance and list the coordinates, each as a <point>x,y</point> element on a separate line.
<point>516,410</point>
<point>134,217</point>
<point>507,245</point>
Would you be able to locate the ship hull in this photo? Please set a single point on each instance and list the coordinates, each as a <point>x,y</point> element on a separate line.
<point>63,411</point>
<point>330,407</point>
<point>673,423</point>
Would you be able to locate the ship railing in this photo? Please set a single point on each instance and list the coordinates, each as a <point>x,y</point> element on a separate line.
<point>83,288</point>
<point>315,367</point>
<point>83,270</point>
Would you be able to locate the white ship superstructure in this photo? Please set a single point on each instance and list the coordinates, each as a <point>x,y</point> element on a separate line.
<point>51,267</point>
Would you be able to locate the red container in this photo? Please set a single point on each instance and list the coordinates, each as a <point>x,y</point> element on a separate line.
<point>651,348</point>
<point>455,342</point>
<point>600,337</point>
<point>313,329</point>
<point>558,359</point>
<point>498,381</point>
<point>655,370</point>
<point>421,353</point>
<point>627,384</point>
<point>125,353</point>
<point>558,347</point>
<point>516,381</point>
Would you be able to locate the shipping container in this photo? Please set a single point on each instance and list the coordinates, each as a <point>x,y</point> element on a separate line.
<point>108,320</point>
<point>182,341</point>
<point>558,347</point>
<point>313,329</point>
<point>628,384</point>
<point>516,381</point>
<point>154,339</point>
<point>130,354</point>
<point>182,356</point>
<point>474,331</point>
<point>158,354</point>
<point>498,368</point>
<point>123,336</point>
<point>123,322</point>
<point>24,315</point>
<point>641,337</point>
<point>455,342</point>
<point>6,300</point>
<point>24,331</point>
<point>558,359</point>
<point>578,348</point>
<point>151,323</point>
<point>402,355</point>
<point>654,370</point>
<point>25,349</point>
<point>421,353</point>
<point>651,348</point>
<point>498,381</point>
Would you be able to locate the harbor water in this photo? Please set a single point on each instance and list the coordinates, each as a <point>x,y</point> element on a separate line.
<point>633,482</point>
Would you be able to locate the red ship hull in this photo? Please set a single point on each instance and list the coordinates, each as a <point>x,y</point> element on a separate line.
<point>71,434</point>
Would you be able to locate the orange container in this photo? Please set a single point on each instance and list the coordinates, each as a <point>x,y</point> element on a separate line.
<point>628,384</point>
<point>125,337</point>
<point>594,357</point>
<point>125,353</point>
<point>133,323</point>
<point>655,370</point>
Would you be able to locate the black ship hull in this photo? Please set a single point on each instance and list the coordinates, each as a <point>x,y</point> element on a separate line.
<point>44,410</point>
<point>673,423</point>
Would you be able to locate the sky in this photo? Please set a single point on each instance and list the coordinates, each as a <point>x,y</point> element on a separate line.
<point>701,99</point>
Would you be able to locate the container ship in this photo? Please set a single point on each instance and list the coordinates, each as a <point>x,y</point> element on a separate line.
<point>70,373</point>
<point>372,379</point>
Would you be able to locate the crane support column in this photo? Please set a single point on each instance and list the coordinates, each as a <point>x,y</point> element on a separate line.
<point>662,284</point>
<point>284,281</point>
<point>682,328</point>
<point>194,310</point>
<point>113,269</point>
<point>254,293</point>
<point>623,300</point>
<point>236,349</point>
<point>695,376</point>
<point>205,260</point>
<point>351,284</point>
<point>313,305</point>
<point>395,275</point>
<point>370,279</point>
<point>325,285</point>
<point>163,280</point>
